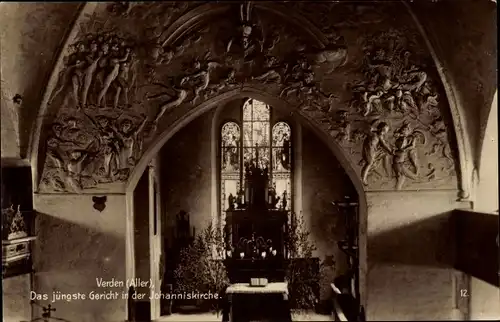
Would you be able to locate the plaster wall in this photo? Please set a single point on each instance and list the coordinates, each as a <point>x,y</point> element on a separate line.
<point>324,181</point>
<point>487,186</point>
<point>16,301</point>
<point>9,137</point>
<point>410,256</point>
<point>186,173</point>
<point>484,300</point>
<point>464,34</point>
<point>77,244</point>
<point>30,37</point>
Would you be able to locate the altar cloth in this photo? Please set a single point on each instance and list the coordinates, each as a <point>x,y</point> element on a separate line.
<point>270,288</point>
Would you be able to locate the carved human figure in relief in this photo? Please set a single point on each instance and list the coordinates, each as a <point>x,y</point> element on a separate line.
<point>72,132</point>
<point>372,102</point>
<point>107,143</point>
<point>73,74</point>
<point>333,55</point>
<point>122,84</point>
<point>74,167</point>
<point>228,82</point>
<point>438,130</point>
<point>114,71</point>
<point>71,150</point>
<point>53,146</point>
<point>393,83</point>
<point>271,41</point>
<point>249,45</point>
<point>375,148</point>
<point>176,100</point>
<point>298,78</point>
<point>176,94</point>
<point>99,62</point>
<point>128,140</point>
<point>344,127</point>
<point>381,70</point>
<point>298,70</point>
<point>412,78</point>
<point>405,102</point>
<point>271,75</point>
<point>304,85</point>
<point>405,150</point>
<point>93,59</point>
<point>200,78</point>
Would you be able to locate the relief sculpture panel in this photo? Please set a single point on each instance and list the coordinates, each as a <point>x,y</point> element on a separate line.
<point>371,86</point>
<point>400,116</point>
<point>101,121</point>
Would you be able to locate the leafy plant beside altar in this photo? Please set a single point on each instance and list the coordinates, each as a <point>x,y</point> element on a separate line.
<point>200,269</point>
<point>304,271</point>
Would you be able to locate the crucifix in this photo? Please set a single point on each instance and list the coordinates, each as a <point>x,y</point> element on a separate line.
<point>348,208</point>
<point>47,311</point>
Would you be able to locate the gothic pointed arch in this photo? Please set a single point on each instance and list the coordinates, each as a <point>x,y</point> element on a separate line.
<point>372,87</point>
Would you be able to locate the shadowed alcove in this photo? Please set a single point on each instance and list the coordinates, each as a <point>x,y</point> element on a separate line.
<point>187,182</point>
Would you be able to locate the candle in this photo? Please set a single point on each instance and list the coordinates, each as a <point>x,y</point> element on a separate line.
<point>242,255</point>
<point>247,195</point>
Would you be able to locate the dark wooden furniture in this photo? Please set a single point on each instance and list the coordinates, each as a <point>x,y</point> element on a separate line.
<point>257,239</point>
<point>242,270</point>
<point>257,223</point>
<point>17,221</point>
<point>477,248</point>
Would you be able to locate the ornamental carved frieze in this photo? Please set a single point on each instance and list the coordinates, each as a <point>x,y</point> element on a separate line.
<point>134,66</point>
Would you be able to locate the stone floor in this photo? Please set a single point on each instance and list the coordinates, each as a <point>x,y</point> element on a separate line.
<point>209,317</point>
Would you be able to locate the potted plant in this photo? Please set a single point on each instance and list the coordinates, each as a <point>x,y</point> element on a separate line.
<point>201,269</point>
<point>303,271</point>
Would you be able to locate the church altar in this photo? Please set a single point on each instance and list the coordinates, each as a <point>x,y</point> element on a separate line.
<point>258,303</point>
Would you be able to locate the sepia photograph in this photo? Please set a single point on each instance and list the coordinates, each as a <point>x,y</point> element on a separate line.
<point>249,161</point>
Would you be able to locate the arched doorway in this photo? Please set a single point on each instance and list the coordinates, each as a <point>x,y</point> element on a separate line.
<point>141,172</point>
<point>190,44</point>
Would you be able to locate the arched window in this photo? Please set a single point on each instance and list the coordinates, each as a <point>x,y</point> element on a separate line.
<point>230,162</point>
<point>259,141</point>
<point>282,165</point>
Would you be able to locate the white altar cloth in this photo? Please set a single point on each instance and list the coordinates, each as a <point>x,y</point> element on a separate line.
<point>270,288</point>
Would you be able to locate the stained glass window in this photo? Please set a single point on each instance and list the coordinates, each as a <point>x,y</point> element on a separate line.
<point>259,142</point>
<point>230,164</point>
<point>256,132</point>
<point>230,138</point>
<point>281,160</point>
